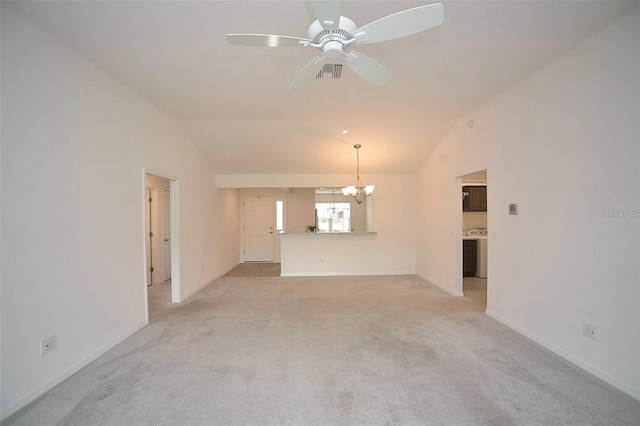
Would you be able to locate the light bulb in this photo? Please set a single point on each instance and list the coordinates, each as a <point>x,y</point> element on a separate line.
<point>345,131</point>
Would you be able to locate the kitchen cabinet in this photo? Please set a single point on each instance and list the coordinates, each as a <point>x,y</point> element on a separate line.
<point>469,257</point>
<point>476,201</point>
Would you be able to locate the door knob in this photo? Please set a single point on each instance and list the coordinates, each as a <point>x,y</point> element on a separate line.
<point>166,239</point>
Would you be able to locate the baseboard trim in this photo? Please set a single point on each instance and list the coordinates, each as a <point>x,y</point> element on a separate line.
<point>340,274</point>
<point>442,286</point>
<point>632,392</point>
<point>206,283</point>
<point>32,395</point>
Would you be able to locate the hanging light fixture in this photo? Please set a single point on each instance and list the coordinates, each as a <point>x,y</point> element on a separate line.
<point>332,209</point>
<point>358,191</point>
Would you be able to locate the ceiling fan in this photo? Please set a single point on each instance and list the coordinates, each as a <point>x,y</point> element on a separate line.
<point>335,35</point>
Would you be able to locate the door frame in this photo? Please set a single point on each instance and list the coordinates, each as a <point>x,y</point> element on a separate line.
<point>273,228</point>
<point>154,215</point>
<point>458,214</point>
<point>457,234</point>
<point>165,192</point>
<point>174,213</point>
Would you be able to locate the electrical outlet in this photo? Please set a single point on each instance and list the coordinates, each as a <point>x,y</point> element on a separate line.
<point>589,330</point>
<point>47,345</point>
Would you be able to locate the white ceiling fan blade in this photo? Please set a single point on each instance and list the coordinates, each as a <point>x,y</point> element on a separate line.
<point>267,40</point>
<point>307,74</point>
<point>401,24</point>
<point>367,68</point>
<point>327,12</point>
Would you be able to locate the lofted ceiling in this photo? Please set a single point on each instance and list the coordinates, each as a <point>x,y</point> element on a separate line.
<point>234,103</point>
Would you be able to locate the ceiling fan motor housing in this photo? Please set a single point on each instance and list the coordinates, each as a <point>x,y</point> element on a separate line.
<point>332,41</point>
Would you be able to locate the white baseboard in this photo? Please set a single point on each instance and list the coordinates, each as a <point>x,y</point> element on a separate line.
<point>629,390</point>
<point>442,286</point>
<point>341,274</point>
<point>32,395</point>
<point>206,283</point>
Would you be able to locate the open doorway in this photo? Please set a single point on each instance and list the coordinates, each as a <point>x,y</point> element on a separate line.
<point>161,248</point>
<point>473,226</point>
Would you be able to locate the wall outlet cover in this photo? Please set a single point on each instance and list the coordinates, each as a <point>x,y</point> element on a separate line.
<point>47,345</point>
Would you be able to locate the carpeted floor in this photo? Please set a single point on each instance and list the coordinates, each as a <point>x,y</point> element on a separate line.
<point>255,270</point>
<point>334,350</point>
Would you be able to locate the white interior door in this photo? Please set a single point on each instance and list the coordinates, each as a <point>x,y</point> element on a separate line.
<point>166,235</point>
<point>258,229</point>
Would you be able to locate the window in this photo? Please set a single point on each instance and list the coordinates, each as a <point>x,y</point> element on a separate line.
<point>279,215</point>
<point>333,217</point>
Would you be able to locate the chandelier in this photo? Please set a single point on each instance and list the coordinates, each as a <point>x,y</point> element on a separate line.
<point>332,209</point>
<point>358,191</point>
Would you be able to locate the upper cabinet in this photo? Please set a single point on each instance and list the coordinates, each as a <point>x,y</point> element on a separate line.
<point>476,201</point>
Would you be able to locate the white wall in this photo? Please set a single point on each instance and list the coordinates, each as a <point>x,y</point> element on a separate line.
<point>473,220</point>
<point>327,253</point>
<point>76,145</point>
<point>226,226</point>
<point>300,209</point>
<point>392,251</point>
<point>157,182</point>
<point>439,217</point>
<point>565,145</point>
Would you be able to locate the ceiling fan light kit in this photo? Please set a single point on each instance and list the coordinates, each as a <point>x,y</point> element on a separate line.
<point>334,35</point>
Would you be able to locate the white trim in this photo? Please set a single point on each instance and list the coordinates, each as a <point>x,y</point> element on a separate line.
<point>207,282</point>
<point>195,290</point>
<point>145,266</point>
<point>459,249</point>
<point>629,390</point>
<point>174,214</point>
<point>341,274</point>
<point>174,190</point>
<point>32,395</point>
<point>442,286</point>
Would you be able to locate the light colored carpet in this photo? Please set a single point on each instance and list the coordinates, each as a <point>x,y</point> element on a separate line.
<point>255,270</point>
<point>335,350</point>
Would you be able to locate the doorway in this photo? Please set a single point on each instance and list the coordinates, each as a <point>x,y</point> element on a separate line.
<point>258,213</point>
<point>161,248</point>
<point>474,230</point>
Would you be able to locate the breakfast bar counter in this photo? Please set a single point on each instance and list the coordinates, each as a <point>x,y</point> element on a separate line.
<point>326,253</point>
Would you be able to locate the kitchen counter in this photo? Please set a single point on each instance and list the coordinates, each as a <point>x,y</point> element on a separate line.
<point>327,253</point>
